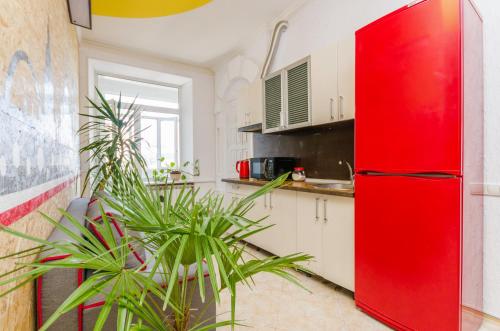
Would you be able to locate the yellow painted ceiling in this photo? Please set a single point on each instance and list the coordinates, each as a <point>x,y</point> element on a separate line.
<point>144,8</point>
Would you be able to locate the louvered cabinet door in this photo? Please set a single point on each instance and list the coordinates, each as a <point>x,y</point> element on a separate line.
<point>298,102</point>
<point>273,103</point>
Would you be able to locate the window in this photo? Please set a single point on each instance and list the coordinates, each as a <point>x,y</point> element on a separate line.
<point>147,94</point>
<point>160,115</point>
<point>160,138</point>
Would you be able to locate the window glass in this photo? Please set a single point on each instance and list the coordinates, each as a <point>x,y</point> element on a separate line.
<point>145,94</point>
<point>159,116</point>
<point>168,131</point>
<point>149,143</point>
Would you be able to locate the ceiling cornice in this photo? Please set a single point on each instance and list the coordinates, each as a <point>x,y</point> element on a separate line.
<point>87,44</point>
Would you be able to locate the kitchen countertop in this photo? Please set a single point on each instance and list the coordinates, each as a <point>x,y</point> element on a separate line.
<point>293,186</point>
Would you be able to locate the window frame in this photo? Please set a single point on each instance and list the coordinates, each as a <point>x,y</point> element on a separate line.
<point>158,137</point>
<point>153,109</point>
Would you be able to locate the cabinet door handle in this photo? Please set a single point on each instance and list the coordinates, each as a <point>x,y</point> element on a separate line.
<point>271,200</point>
<point>341,107</point>
<point>332,117</point>
<point>325,216</point>
<point>317,209</point>
<point>265,200</point>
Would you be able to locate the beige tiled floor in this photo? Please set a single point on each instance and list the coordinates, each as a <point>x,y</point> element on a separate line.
<point>274,304</point>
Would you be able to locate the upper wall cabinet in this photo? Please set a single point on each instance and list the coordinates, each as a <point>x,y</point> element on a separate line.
<point>273,103</point>
<point>316,90</point>
<point>346,81</point>
<point>332,75</point>
<point>298,101</point>
<point>287,98</point>
<point>250,104</point>
<point>324,85</point>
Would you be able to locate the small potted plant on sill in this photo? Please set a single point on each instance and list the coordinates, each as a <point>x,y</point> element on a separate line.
<point>175,172</point>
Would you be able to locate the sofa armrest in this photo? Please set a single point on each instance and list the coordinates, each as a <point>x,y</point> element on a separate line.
<point>57,285</point>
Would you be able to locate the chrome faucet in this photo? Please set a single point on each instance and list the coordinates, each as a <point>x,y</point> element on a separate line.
<point>351,174</point>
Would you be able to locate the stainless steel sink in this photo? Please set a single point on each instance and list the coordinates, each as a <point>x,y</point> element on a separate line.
<point>335,186</point>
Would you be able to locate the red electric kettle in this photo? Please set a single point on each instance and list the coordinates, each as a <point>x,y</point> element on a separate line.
<point>243,168</point>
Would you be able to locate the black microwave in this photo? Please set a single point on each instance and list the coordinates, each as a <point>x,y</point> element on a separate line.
<point>269,168</point>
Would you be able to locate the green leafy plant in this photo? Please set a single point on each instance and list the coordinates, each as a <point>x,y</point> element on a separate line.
<point>113,141</point>
<point>178,232</point>
<point>174,171</point>
<point>177,229</point>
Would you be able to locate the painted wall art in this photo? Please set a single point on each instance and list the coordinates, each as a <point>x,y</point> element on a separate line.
<point>38,101</point>
<point>38,122</point>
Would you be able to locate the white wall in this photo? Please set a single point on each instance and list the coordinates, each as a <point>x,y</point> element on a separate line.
<point>321,22</point>
<point>202,130</point>
<point>490,9</point>
<point>317,24</point>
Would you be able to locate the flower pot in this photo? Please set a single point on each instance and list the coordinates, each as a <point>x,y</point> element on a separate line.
<point>175,176</point>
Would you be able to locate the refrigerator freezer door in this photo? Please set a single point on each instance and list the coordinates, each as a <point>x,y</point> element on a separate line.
<point>407,251</point>
<point>408,91</point>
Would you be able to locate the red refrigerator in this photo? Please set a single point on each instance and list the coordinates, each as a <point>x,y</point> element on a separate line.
<point>419,163</point>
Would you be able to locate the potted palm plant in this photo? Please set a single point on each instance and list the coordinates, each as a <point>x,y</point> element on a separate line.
<point>178,234</point>
<point>179,231</point>
<point>114,142</point>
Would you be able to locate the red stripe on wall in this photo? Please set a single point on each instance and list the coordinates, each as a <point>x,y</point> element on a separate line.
<point>16,213</point>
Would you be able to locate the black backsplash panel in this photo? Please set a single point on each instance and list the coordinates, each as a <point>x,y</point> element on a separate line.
<point>319,149</point>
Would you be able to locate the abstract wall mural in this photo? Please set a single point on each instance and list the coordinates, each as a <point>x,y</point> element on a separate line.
<point>35,147</point>
<point>38,100</point>
<point>38,123</point>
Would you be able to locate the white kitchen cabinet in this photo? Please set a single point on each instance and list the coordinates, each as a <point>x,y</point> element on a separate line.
<point>258,212</point>
<point>338,240</point>
<point>275,208</point>
<point>287,98</point>
<point>318,225</point>
<point>249,103</point>
<point>332,77</point>
<point>284,217</point>
<point>324,89</point>
<point>346,78</point>
<point>310,229</point>
<point>230,195</point>
<point>325,230</point>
